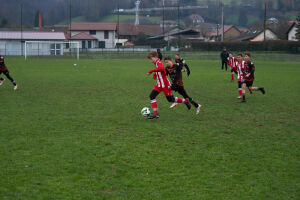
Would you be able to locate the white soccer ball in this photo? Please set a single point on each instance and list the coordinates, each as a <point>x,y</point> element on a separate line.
<point>145,112</point>
<point>75,65</point>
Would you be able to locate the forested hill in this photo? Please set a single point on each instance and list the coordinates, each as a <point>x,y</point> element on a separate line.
<point>57,11</point>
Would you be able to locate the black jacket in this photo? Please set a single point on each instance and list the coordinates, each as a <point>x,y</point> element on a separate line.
<point>224,55</point>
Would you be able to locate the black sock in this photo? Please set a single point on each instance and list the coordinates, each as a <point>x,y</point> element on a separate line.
<point>1,79</point>
<point>244,97</point>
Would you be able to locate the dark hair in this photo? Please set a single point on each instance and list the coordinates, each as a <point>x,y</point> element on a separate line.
<point>152,54</point>
<point>247,53</point>
<point>168,58</point>
<point>240,55</point>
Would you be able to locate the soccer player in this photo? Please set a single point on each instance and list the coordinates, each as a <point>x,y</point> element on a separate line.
<point>224,55</point>
<point>248,77</point>
<point>183,63</point>
<point>163,85</point>
<point>231,61</point>
<point>239,68</point>
<point>3,69</point>
<point>175,73</point>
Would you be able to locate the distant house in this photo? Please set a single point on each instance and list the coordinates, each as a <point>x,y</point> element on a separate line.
<point>12,42</point>
<point>94,34</point>
<point>188,34</point>
<point>230,32</point>
<point>130,32</point>
<point>291,33</point>
<point>168,23</point>
<point>257,36</point>
<point>196,19</point>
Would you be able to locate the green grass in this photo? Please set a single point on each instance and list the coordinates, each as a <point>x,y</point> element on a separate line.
<point>77,133</point>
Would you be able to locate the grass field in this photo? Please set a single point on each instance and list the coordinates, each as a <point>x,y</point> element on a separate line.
<point>77,133</point>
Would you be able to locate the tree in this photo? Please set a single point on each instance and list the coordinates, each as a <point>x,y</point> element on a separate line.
<point>243,19</point>
<point>36,19</point>
<point>4,23</point>
<point>298,28</point>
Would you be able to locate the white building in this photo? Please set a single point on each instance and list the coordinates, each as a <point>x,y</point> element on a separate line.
<point>270,35</point>
<point>292,32</point>
<point>13,42</point>
<point>94,34</point>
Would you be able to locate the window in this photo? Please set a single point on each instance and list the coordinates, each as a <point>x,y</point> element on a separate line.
<point>83,44</point>
<point>89,44</point>
<point>101,44</point>
<point>106,35</point>
<point>92,32</point>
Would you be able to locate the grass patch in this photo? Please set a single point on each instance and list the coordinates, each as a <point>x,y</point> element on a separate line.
<point>77,133</point>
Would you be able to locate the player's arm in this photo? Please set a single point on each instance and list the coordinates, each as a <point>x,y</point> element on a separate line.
<point>228,63</point>
<point>187,69</point>
<point>252,69</point>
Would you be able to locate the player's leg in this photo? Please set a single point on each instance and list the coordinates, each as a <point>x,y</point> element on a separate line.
<point>226,66</point>
<point>223,65</point>
<point>153,96</point>
<point>6,73</point>
<point>174,87</point>
<point>243,92</point>
<point>232,75</point>
<point>240,89</point>
<point>1,79</point>
<point>183,92</point>
<point>172,99</point>
<point>262,89</point>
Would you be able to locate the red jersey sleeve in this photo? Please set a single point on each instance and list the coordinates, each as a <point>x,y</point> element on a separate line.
<point>228,61</point>
<point>160,68</point>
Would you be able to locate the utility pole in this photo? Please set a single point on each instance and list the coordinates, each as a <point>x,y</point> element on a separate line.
<point>222,22</point>
<point>70,24</point>
<point>22,29</point>
<point>178,25</point>
<point>217,38</point>
<point>265,21</point>
<point>118,24</point>
<point>164,18</point>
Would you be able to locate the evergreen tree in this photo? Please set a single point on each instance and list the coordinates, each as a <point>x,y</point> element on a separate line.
<point>298,28</point>
<point>243,19</point>
<point>36,19</point>
<point>4,22</point>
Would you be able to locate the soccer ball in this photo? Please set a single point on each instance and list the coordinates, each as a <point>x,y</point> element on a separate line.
<point>145,112</point>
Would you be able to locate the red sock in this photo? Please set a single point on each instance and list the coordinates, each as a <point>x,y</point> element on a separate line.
<point>179,100</point>
<point>232,76</point>
<point>154,106</point>
<point>240,92</point>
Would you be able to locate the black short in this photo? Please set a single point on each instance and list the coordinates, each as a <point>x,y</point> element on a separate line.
<point>4,72</point>
<point>239,84</point>
<point>248,83</point>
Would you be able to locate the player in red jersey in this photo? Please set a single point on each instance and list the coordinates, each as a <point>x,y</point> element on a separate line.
<point>163,85</point>
<point>239,68</point>
<point>231,62</point>
<point>248,77</point>
<point>4,70</point>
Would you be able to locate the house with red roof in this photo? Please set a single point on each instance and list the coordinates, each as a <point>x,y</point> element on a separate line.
<point>230,32</point>
<point>94,34</point>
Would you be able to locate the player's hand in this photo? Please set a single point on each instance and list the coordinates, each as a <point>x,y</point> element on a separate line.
<point>247,75</point>
<point>148,73</point>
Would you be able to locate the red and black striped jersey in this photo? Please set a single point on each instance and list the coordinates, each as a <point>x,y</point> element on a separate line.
<point>2,64</point>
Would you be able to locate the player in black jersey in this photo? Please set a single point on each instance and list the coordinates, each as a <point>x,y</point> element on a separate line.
<point>183,63</point>
<point>175,73</point>
<point>4,70</point>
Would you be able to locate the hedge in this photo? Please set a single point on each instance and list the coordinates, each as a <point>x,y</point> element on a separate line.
<point>285,46</point>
